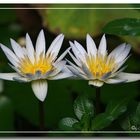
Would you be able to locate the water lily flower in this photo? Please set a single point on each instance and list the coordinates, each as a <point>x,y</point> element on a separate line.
<point>36,65</point>
<point>99,67</point>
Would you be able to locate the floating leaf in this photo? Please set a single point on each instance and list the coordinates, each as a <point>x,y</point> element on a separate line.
<point>83,105</point>
<point>67,123</point>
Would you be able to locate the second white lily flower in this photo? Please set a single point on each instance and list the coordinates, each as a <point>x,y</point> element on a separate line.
<point>36,65</point>
<point>97,66</point>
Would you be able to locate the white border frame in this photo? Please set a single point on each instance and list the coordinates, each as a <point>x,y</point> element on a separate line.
<point>70,132</point>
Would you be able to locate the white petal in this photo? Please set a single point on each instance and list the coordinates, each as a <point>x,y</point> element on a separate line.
<point>130,77</point>
<point>74,59</point>
<point>120,64</point>
<point>55,46</point>
<point>117,72</point>
<point>8,76</point>
<point>17,48</point>
<point>30,48</point>
<point>80,48</point>
<point>10,55</point>
<point>61,76</point>
<point>40,88</point>
<point>60,65</point>
<point>77,53</point>
<point>77,73</point>
<point>87,72</point>
<point>91,47</point>
<point>117,51</point>
<point>21,79</point>
<point>63,55</point>
<point>75,67</point>
<point>115,81</point>
<point>40,45</point>
<point>123,54</point>
<point>102,46</point>
<point>96,83</point>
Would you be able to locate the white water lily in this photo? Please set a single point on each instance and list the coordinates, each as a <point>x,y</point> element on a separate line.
<point>36,65</point>
<point>99,67</point>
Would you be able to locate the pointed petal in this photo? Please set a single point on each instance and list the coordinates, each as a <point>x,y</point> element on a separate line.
<point>102,46</point>
<point>130,77</point>
<point>60,65</point>
<point>21,79</point>
<point>115,81</point>
<point>40,45</point>
<point>63,55</point>
<point>74,59</point>
<point>10,55</point>
<point>61,76</point>
<point>117,51</point>
<point>77,73</point>
<point>123,54</point>
<point>91,47</point>
<point>80,48</point>
<point>17,48</point>
<point>30,48</point>
<point>120,64</point>
<point>77,53</point>
<point>75,67</point>
<point>96,83</point>
<point>40,88</point>
<point>105,76</point>
<point>87,72</point>
<point>117,72</point>
<point>55,46</point>
<point>8,76</point>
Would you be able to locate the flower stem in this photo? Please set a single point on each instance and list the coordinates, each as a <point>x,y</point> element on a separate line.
<point>41,116</point>
<point>98,102</point>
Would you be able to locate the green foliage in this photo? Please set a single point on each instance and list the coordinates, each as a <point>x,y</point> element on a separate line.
<point>83,105</point>
<point>117,107</point>
<point>67,123</point>
<point>124,26</point>
<point>131,121</point>
<point>113,110</point>
<point>101,121</point>
<point>84,111</point>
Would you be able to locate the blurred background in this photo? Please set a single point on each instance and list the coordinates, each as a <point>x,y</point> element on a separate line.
<point>18,105</point>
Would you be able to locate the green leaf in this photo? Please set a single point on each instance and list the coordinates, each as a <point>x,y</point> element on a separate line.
<point>82,106</point>
<point>85,122</point>
<point>101,121</point>
<point>117,107</point>
<point>67,123</point>
<point>132,119</point>
<point>124,26</point>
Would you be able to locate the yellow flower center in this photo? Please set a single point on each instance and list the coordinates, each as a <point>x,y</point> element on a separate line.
<point>44,64</point>
<point>100,65</point>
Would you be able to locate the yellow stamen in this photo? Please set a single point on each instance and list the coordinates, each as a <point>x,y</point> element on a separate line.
<point>44,64</point>
<point>100,65</point>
